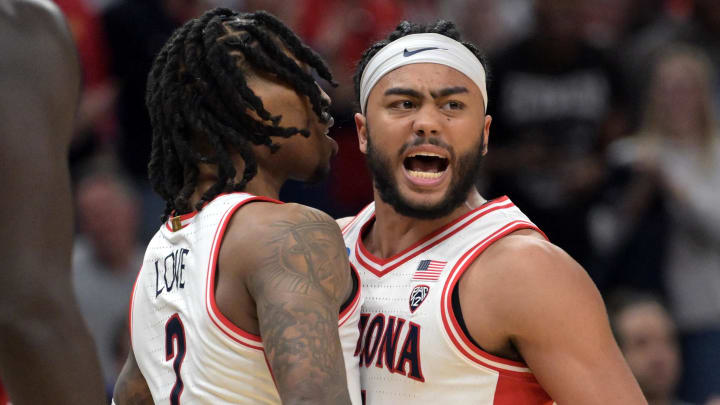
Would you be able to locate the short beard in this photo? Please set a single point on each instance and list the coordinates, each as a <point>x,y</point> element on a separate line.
<point>465,176</point>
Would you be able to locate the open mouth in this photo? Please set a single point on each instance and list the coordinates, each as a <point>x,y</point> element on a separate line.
<point>425,165</point>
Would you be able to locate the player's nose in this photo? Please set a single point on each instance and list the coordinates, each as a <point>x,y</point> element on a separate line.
<point>427,121</point>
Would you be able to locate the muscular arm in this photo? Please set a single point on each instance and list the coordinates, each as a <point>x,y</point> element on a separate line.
<point>131,387</point>
<point>302,279</point>
<point>543,302</point>
<point>46,354</point>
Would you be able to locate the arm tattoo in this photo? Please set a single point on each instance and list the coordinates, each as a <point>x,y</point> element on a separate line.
<point>298,290</point>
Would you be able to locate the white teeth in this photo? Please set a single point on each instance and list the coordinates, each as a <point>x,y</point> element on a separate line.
<point>425,175</point>
<point>426,154</point>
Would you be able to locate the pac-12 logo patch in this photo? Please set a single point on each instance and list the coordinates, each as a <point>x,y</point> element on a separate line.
<point>417,296</point>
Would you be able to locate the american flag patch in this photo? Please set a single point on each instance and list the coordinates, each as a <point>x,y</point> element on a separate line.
<point>429,270</point>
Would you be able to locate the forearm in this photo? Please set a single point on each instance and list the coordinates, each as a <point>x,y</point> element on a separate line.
<point>46,353</point>
<point>304,352</point>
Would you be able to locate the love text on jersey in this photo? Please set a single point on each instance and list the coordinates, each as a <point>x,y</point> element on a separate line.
<point>169,271</point>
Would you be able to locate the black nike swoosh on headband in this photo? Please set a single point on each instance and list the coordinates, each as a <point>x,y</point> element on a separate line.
<point>407,53</point>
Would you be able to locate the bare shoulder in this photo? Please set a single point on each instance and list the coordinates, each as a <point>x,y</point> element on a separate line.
<point>534,275</point>
<point>525,259</point>
<point>258,223</point>
<point>289,240</point>
<point>271,213</point>
<point>543,302</point>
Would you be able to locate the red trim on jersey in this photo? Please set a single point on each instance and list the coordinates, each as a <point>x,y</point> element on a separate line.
<point>185,217</point>
<point>352,222</point>
<point>132,300</point>
<point>451,325</point>
<point>210,290</point>
<point>350,309</point>
<point>272,375</point>
<point>479,212</point>
<point>512,391</point>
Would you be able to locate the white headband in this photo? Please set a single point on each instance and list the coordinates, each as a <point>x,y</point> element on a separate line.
<point>422,48</point>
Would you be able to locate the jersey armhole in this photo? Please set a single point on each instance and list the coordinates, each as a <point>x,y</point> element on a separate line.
<point>231,330</point>
<point>352,305</point>
<point>451,316</point>
<point>457,311</point>
<point>353,294</point>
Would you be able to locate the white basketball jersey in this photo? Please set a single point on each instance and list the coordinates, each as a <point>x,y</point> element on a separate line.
<point>187,350</point>
<point>412,349</point>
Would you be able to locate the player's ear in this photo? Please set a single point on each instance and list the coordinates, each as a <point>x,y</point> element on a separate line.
<point>361,127</point>
<point>486,134</point>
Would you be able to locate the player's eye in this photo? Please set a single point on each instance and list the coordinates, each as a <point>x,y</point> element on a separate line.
<point>454,105</point>
<point>403,104</point>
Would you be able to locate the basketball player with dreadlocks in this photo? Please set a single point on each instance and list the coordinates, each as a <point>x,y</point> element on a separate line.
<point>465,299</point>
<point>46,353</point>
<point>240,299</point>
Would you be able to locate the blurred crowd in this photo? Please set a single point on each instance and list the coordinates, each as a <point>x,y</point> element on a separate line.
<point>604,132</point>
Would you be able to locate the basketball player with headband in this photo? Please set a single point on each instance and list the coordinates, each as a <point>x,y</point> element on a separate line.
<point>465,299</point>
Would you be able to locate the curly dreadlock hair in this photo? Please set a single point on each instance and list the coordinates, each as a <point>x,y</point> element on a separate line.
<point>198,90</point>
<point>442,27</point>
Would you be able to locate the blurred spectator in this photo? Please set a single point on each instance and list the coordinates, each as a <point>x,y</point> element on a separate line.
<point>490,24</point>
<point>106,258</point>
<point>555,101</point>
<point>136,30</point>
<point>677,153</point>
<point>695,23</point>
<point>647,337</point>
<point>607,24</point>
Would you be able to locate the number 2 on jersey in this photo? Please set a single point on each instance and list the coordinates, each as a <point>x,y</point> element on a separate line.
<point>175,336</point>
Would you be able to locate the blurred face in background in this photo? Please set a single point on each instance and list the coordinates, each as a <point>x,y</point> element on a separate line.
<point>679,95</point>
<point>648,340</point>
<point>108,214</point>
<point>559,19</point>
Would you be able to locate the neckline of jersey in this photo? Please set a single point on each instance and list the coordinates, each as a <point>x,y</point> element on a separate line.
<point>192,214</point>
<point>501,202</point>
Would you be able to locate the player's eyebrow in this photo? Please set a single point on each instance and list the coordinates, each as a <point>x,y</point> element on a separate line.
<point>448,91</point>
<point>402,91</point>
